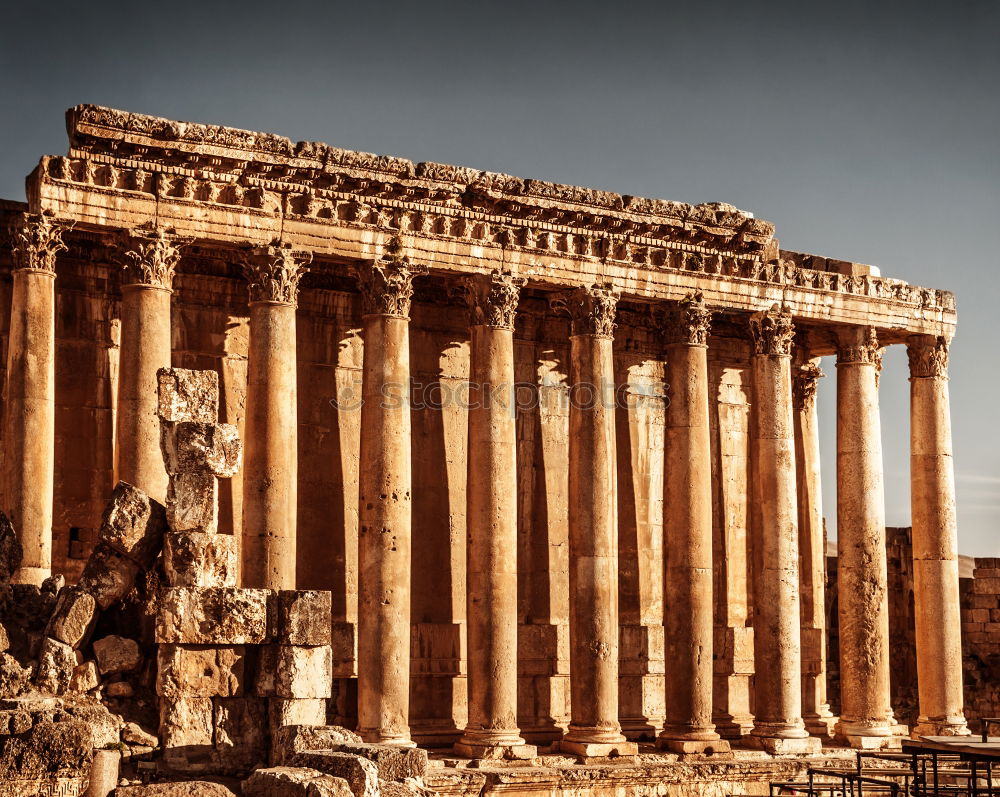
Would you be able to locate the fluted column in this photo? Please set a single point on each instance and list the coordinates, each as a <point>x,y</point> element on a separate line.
<point>594,728</point>
<point>270,468</point>
<point>935,542</point>
<point>29,415</point>
<point>865,716</point>
<point>812,544</point>
<point>385,503</point>
<point>778,725</point>
<point>149,259</point>
<point>491,519</point>
<point>687,528</point>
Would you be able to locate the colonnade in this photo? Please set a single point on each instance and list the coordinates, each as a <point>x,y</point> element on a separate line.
<point>786,513</point>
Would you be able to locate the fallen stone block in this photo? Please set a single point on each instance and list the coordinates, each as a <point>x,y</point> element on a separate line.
<point>200,671</point>
<point>193,502</point>
<point>303,617</point>
<point>360,773</point>
<point>240,733</point>
<point>207,448</point>
<point>108,575</point>
<point>213,616</point>
<point>133,524</point>
<point>48,747</point>
<point>14,679</point>
<point>186,395</point>
<point>73,619</point>
<point>407,788</point>
<point>105,727</point>
<point>186,733</point>
<point>84,678</point>
<point>302,711</point>
<point>187,788</point>
<point>294,782</point>
<point>303,672</point>
<point>119,689</point>
<point>288,741</point>
<point>133,733</point>
<point>10,549</point>
<point>54,671</point>
<point>117,654</point>
<point>195,559</point>
<point>394,763</point>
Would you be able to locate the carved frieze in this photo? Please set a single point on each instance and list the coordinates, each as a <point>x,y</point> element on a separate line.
<point>772,331</point>
<point>493,299</point>
<point>35,242</point>
<point>688,322</point>
<point>387,284</point>
<point>150,257</point>
<point>591,310</point>
<point>273,273</point>
<point>928,356</point>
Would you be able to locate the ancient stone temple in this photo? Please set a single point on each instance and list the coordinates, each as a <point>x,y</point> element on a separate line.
<point>553,451</point>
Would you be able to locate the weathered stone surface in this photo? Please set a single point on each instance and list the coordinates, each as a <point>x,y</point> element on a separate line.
<point>105,727</point>
<point>408,788</point>
<point>213,616</point>
<point>186,395</point>
<point>4,638</point>
<point>207,448</point>
<point>14,678</point>
<point>187,788</point>
<point>303,672</point>
<point>240,733</point>
<point>119,689</point>
<point>193,502</point>
<point>186,732</point>
<point>360,773</point>
<point>133,733</point>
<point>195,559</point>
<point>302,617</point>
<point>117,654</point>
<point>200,671</point>
<point>56,662</point>
<point>53,584</point>
<point>108,575</point>
<point>393,762</point>
<point>85,677</point>
<point>287,741</point>
<point>50,747</point>
<point>303,711</point>
<point>133,524</point>
<point>10,549</point>
<point>73,619</point>
<point>294,782</point>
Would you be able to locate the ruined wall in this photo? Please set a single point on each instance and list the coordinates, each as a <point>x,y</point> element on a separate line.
<point>981,641</point>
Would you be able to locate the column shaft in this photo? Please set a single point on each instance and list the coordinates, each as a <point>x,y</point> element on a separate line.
<point>935,543</point>
<point>865,718</point>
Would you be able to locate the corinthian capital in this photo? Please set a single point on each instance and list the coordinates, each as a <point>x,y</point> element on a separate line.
<point>273,273</point>
<point>928,356</point>
<point>859,345</point>
<point>387,284</point>
<point>35,242</point>
<point>688,322</point>
<point>805,379</point>
<point>591,310</point>
<point>772,331</point>
<point>149,257</point>
<point>493,299</point>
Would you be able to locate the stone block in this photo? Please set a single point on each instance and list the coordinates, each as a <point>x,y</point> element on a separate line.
<point>393,762</point>
<point>303,672</point>
<point>186,395</point>
<point>288,741</point>
<point>240,733</point>
<point>54,670</point>
<point>186,733</point>
<point>84,677</point>
<point>10,549</point>
<point>73,618</point>
<point>303,617</point>
<point>193,502</point>
<point>119,689</point>
<point>117,654</point>
<point>295,782</point>
<point>206,448</point>
<point>360,773</point>
<point>213,616</point>
<point>344,642</point>
<point>292,711</point>
<point>133,525</point>
<point>200,671</point>
<point>14,679</point>
<point>108,575</point>
<point>197,559</point>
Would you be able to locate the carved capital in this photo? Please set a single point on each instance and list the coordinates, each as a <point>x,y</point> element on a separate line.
<point>149,257</point>
<point>928,357</point>
<point>273,273</point>
<point>387,284</point>
<point>493,299</point>
<point>591,310</point>
<point>859,347</point>
<point>688,322</point>
<point>805,380</point>
<point>35,242</point>
<point>772,331</point>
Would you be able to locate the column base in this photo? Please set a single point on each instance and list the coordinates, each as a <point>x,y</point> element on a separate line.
<point>870,742</point>
<point>950,726</point>
<point>776,745</point>
<point>495,752</point>
<point>821,725</point>
<point>597,749</point>
<point>693,747</point>
<point>377,737</point>
<point>31,575</point>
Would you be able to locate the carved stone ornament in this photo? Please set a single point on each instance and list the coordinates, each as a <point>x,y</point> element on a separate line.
<point>928,357</point>
<point>805,380</point>
<point>772,331</point>
<point>493,299</point>
<point>35,242</point>
<point>864,350</point>
<point>591,310</point>
<point>150,257</point>
<point>387,284</point>
<point>273,273</point>
<point>689,322</point>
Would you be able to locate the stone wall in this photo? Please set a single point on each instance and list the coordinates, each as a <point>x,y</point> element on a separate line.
<point>981,640</point>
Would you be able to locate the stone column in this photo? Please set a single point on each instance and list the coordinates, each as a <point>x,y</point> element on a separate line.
<point>491,552</point>
<point>385,503</point>
<point>147,281</point>
<point>865,716</point>
<point>29,414</point>
<point>270,469</point>
<point>812,544</point>
<point>594,728</point>
<point>778,725</point>
<point>687,527</point>
<point>935,542</point>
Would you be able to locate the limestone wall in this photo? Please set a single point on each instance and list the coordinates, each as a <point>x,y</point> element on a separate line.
<point>981,640</point>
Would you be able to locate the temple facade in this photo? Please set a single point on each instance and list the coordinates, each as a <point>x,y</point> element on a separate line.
<point>553,450</point>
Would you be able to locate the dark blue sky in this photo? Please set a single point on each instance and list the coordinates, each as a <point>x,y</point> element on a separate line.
<point>865,131</point>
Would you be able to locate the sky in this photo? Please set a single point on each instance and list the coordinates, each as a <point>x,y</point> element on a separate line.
<point>865,131</point>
